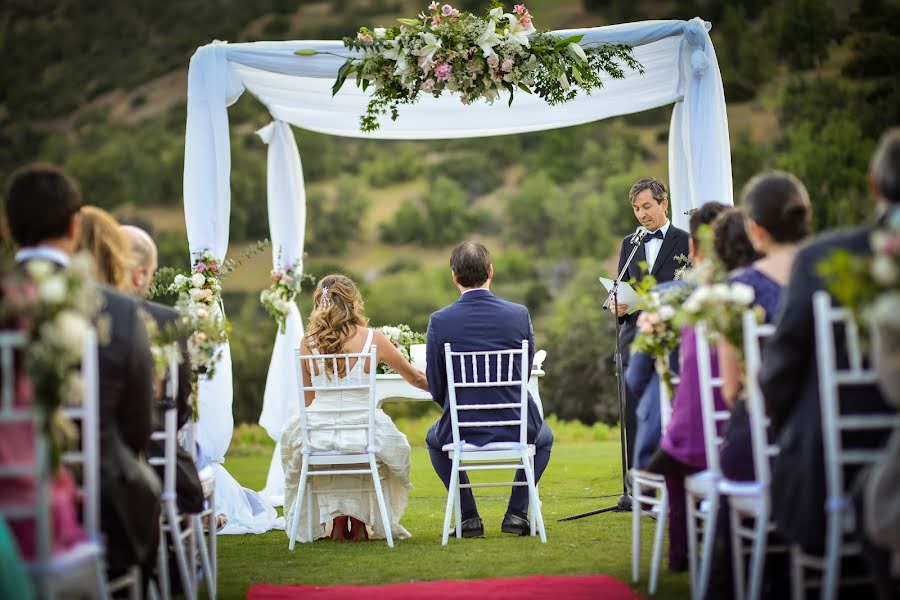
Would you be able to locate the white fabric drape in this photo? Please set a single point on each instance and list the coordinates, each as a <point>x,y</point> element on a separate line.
<point>287,223</point>
<point>680,68</point>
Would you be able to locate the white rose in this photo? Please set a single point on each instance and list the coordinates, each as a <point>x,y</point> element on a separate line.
<point>180,280</point>
<point>743,294</point>
<point>886,311</point>
<point>666,312</point>
<point>202,312</point>
<point>884,270</point>
<point>38,269</point>
<point>198,280</point>
<point>380,33</point>
<point>53,289</point>
<point>70,326</point>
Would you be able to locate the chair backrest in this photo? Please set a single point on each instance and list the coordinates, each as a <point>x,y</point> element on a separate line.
<point>713,420</point>
<point>489,369</point>
<point>315,363</point>
<point>169,433</point>
<point>834,374</point>
<point>86,458</point>
<point>762,447</point>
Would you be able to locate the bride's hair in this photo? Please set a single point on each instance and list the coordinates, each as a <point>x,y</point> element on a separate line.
<point>337,311</point>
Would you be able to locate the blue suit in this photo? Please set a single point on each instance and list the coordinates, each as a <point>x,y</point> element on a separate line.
<point>481,321</point>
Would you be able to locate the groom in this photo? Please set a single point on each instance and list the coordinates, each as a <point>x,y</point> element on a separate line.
<point>480,321</point>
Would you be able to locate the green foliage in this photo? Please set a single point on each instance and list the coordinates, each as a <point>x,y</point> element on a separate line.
<point>409,297</point>
<point>474,170</point>
<point>580,381</point>
<point>832,162</point>
<point>747,159</point>
<point>332,222</point>
<point>444,217</point>
<point>746,61</point>
<point>393,164</point>
<point>875,56</point>
<point>803,31</point>
<point>251,340</point>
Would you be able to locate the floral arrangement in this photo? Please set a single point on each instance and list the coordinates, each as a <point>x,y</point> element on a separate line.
<point>659,328</point>
<point>445,49</point>
<point>281,294</point>
<point>203,284</point>
<point>870,285</point>
<point>402,337</point>
<point>721,306</point>
<point>55,307</point>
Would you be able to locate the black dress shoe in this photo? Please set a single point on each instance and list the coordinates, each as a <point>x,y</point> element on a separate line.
<point>515,525</point>
<point>471,528</point>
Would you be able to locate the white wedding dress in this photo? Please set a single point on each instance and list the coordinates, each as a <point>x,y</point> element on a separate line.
<point>392,453</point>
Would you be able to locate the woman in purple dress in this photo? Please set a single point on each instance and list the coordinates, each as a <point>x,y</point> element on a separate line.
<point>776,217</point>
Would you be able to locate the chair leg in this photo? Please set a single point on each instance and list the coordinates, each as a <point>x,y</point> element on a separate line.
<point>175,531</point>
<point>379,494</point>
<point>709,535</point>
<point>532,518</point>
<point>535,500</point>
<point>213,532</point>
<point>658,540</point>
<point>737,554</point>
<point>203,551</point>
<point>100,587</point>
<point>832,573</point>
<point>298,502</point>
<point>798,583</point>
<point>757,558</point>
<point>165,588</point>
<point>452,495</point>
<point>692,541</point>
<point>310,507</point>
<point>636,534</point>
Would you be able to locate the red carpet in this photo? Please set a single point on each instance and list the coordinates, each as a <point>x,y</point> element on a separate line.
<point>588,587</point>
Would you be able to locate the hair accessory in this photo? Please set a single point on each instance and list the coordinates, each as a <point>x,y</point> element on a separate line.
<point>324,300</point>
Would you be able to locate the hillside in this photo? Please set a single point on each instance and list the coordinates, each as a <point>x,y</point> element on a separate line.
<point>100,88</point>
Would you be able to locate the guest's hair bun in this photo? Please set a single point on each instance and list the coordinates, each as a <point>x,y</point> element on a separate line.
<point>779,203</point>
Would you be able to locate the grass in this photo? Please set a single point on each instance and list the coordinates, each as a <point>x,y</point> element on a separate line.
<point>583,475</point>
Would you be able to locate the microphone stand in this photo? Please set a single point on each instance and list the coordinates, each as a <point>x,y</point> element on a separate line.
<point>624,503</point>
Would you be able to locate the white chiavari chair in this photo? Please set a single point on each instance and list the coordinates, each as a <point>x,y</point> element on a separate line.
<point>650,489</point>
<point>494,455</point>
<point>838,420</point>
<point>334,462</point>
<point>702,489</point>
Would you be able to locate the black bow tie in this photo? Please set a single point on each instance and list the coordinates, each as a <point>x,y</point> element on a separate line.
<point>658,234</point>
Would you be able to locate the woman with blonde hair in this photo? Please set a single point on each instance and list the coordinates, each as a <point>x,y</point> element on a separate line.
<point>337,325</point>
<point>104,241</point>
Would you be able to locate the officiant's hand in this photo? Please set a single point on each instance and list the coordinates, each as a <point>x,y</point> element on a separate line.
<point>623,308</point>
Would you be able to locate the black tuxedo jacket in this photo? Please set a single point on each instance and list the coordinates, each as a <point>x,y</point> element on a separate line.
<point>789,382</point>
<point>187,481</point>
<point>674,244</point>
<point>479,321</point>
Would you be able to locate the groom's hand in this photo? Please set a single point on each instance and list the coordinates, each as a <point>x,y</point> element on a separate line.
<point>623,308</point>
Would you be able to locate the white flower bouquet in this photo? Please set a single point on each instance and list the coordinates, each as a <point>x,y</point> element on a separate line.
<point>721,306</point>
<point>445,49</point>
<point>281,294</point>
<point>402,337</point>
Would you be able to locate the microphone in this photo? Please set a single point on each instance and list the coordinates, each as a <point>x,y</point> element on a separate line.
<point>638,235</point>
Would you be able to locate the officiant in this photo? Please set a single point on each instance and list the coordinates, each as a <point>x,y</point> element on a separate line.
<point>657,251</point>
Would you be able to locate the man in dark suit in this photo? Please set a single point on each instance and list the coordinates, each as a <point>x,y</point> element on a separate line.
<point>480,321</point>
<point>788,375</point>
<point>42,207</point>
<point>143,267</point>
<point>658,250</point>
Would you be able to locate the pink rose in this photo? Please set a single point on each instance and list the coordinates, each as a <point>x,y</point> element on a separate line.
<point>276,276</point>
<point>493,61</point>
<point>214,267</point>
<point>507,65</point>
<point>519,9</point>
<point>428,85</point>
<point>286,280</point>
<point>442,71</point>
<point>447,10</point>
<point>363,37</point>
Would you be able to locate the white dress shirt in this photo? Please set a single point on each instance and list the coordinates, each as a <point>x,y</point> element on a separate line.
<point>652,247</point>
<point>48,253</point>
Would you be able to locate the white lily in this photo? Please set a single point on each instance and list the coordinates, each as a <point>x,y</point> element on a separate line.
<point>564,82</point>
<point>391,50</point>
<point>380,33</point>
<point>516,32</point>
<point>496,14</point>
<point>488,39</point>
<point>578,51</point>
<point>426,52</point>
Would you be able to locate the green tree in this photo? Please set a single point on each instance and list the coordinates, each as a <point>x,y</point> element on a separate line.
<point>745,60</point>
<point>528,214</point>
<point>332,221</point>
<point>803,31</point>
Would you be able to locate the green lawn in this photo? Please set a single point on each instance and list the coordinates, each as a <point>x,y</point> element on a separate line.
<point>578,475</point>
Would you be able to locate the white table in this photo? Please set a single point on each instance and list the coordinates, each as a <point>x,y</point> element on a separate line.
<point>390,388</point>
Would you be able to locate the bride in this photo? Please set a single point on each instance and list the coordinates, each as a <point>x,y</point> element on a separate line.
<point>337,325</point>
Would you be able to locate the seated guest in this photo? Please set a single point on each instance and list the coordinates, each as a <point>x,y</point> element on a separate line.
<point>100,237</point>
<point>42,210</point>
<point>337,326</point>
<point>681,450</point>
<point>775,218</point>
<point>789,374</point>
<point>141,268</point>
<point>480,321</point>
<point>642,381</point>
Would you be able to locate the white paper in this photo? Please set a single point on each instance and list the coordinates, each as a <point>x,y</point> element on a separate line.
<point>626,294</point>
